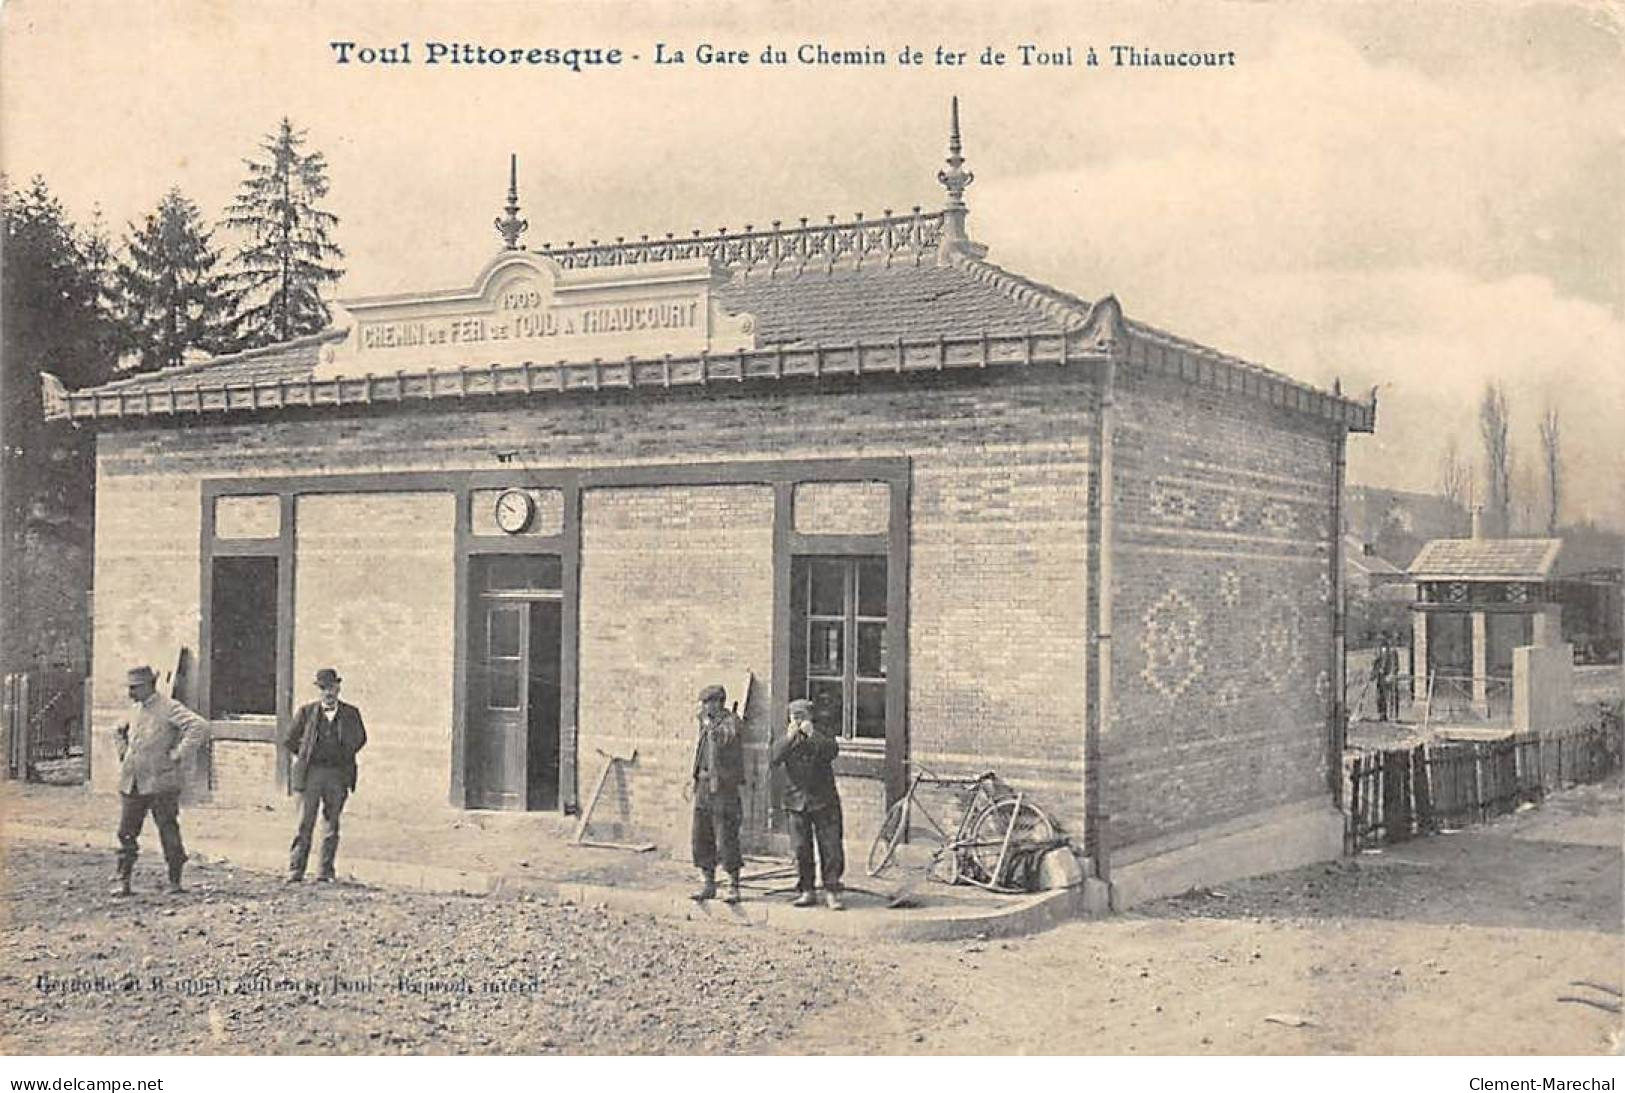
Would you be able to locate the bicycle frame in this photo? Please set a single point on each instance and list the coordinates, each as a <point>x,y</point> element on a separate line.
<point>978,795</point>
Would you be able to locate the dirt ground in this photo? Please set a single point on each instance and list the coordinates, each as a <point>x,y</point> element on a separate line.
<point>1505,939</point>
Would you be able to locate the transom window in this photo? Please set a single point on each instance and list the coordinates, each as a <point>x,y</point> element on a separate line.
<point>838,643</point>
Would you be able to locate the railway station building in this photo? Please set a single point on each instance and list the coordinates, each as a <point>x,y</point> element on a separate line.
<point>982,522</point>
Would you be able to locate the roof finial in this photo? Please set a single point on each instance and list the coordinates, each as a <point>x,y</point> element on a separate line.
<point>511,227</point>
<point>954,180</point>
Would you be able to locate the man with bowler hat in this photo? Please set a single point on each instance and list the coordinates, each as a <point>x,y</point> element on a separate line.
<point>153,750</point>
<point>811,804</point>
<point>325,736</point>
<point>719,768</point>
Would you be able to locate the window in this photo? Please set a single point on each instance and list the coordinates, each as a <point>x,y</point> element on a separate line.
<point>838,643</point>
<point>243,637</point>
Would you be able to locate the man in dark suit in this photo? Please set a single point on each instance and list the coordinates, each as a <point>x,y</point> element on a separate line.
<point>324,738</point>
<point>811,804</point>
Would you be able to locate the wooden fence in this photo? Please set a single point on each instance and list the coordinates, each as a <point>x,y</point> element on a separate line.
<point>1403,792</point>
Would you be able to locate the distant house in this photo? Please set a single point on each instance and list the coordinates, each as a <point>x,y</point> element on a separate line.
<point>1587,585</point>
<point>1379,594</point>
<point>1396,523</point>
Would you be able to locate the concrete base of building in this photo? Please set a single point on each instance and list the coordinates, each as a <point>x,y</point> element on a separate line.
<point>1281,838</point>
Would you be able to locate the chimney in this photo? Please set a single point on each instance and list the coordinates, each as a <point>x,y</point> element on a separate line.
<point>1478,521</point>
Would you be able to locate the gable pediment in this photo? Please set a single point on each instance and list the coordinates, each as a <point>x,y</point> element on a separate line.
<point>527,307</point>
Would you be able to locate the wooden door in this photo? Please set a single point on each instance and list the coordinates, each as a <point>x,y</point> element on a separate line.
<point>499,720</point>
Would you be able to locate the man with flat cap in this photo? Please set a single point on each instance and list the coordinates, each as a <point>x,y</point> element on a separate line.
<point>153,748</point>
<point>812,806</point>
<point>324,738</point>
<point>719,768</point>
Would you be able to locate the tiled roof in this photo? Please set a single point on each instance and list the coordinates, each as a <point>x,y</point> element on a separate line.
<point>290,360</point>
<point>874,304</point>
<point>863,296</point>
<point>1375,564</point>
<point>1486,559</point>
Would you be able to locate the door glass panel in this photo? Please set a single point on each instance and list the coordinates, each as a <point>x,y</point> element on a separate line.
<point>522,572</point>
<point>828,594</point>
<point>872,588</point>
<point>871,711</point>
<point>504,634</point>
<point>503,691</point>
<point>872,650</point>
<point>825,654</point>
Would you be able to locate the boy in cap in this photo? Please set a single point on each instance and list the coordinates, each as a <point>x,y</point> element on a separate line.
<point>153,750</point>
<point>812,804</point>
<point>719,768</point>
<point>324,738</point>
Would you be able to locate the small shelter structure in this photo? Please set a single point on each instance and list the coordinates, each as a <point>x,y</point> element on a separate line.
<point>1477,600</point>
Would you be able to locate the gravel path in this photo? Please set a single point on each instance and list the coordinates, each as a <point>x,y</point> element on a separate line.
<point>243,963</point>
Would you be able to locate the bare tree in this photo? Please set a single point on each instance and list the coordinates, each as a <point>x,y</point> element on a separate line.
<point>1492,428</point>
<point>1552,449</point>
<point>1455,477</point>
<point>1524,497</point>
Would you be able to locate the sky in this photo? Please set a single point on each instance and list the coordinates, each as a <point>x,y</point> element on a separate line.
<point>1421,198</point>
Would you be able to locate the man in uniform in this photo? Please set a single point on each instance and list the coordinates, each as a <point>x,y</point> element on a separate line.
<point>719,768</point>
<point>325,736</point>
<point>153,751</point>
<point>811,804</point>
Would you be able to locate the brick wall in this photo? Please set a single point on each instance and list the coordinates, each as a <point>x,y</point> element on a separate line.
<point>374,597</point>
<point>1223,614</point>
<point>999,539</point>
<point>146,591</point>
<point>997,616</point>
<point>676,593</point>
<point>241,771</point>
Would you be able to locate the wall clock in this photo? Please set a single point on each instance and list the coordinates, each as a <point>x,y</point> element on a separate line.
<point>515,508</point>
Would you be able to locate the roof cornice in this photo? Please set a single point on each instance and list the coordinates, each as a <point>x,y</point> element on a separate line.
<point>898,356</point>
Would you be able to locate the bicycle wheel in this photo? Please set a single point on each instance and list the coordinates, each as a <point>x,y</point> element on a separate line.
<point>987,837</point>
<point>891,833</point>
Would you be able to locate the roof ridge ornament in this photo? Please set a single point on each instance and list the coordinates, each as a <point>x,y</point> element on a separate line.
<point>954,179</point>
<point>511,227</point>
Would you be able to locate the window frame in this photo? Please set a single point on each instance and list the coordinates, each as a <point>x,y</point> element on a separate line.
<point>850,621</point>
<point>215,699</point>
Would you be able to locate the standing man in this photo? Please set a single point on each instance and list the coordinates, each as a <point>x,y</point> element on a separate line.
<point>812,804</point>
<point>1385,667</point>
<point>153,751</point>
<point>325,736</point>
<point>719,768</point>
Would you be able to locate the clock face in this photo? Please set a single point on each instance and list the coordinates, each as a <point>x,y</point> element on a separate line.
<point>514,510</point>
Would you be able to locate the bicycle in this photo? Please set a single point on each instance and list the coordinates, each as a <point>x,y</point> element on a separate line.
<point>996,826</point>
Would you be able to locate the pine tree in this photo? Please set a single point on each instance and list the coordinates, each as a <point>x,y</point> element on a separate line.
<point>288,254</point>
<point>170,296</point>
<point>51,320</point>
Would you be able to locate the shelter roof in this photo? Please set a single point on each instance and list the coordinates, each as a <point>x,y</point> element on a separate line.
<point>1486,560</point>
